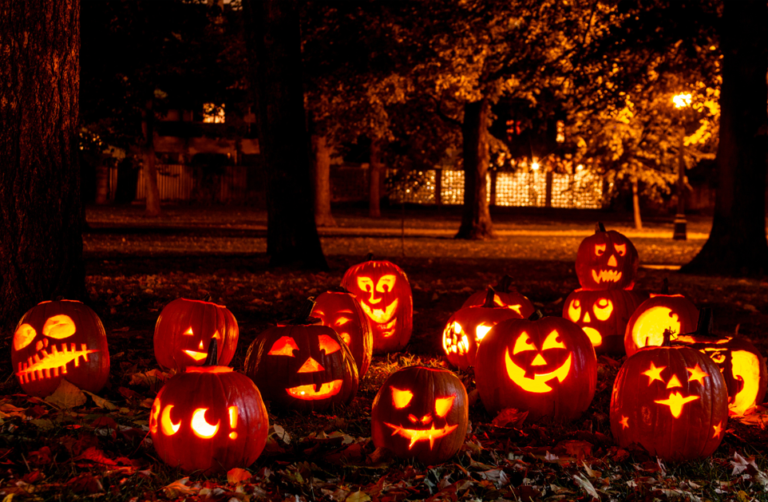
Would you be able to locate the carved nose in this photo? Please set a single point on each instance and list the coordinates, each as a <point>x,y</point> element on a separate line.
<point>311,366</point>
<point>539,361</point>
<point>587,318</point>
<point>612,261</point>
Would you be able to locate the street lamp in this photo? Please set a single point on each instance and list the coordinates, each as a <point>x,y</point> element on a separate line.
<point>681,102</point>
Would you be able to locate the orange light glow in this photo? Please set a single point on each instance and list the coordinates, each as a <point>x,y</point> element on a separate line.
<point>283,346</point>
<point>189,332</point>
<point>654,373</point>
<point>51,361</point>
<point>650,326</point>
<point>606,275</point>
<point>697,374</point>
<point>594,335</point>
<point>200,425</point>
<point>328,344</point>
<point>682,100</point>
<point>624,422</point>
<point>574,311</point>
<point>621,249</point>
<point>539,361</point>
<point>311,366</point>
<point>523,343</point>
<point>676,401</point>
<point>481,330</point>
<point>454,340</point>
<point>718,430</point>
<point>59,326</point>
<point>416,435</point>
<point>401,398</point>
<point>674,382</point>
<point>379,316</point>
<point>232,421</point>
<point>537,384</point>
<point>197,356</point>
<point>308,392</point>
<point>745,367</point>
<point>166,424</point>
<point>154,415</point>
<point>23,336</point>
<point>208,369</point>
<point>599,249</point>
<point>443,405</point>
<point>603,309</point>
<point>552,341</point>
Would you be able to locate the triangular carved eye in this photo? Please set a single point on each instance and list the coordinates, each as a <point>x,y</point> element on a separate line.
<point>621,249</point>
<point>23,336</point>
<point>443,405</point>
<point>284,346</point>
<point>523,343</point>
<point>401,398</point>
<point>599,249</point>
<point>553,341</point>
<point>328,344</point>
<point>59,326</point>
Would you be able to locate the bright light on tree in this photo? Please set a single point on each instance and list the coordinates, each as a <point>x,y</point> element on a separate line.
<point>682,100</point>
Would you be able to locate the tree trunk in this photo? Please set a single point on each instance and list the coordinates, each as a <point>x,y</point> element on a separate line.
<point>636,205</point>
<point>476,219</point>
<point>274,47</point>
<point>41,219</point>
<point>375,170</point>
<point>737,243</point>
<point>152,206</point>
<point>321,154</point>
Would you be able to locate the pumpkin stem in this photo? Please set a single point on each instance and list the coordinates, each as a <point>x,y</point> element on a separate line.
<point>536,315</point>
<point>665,286</point>
<point>490,294</point>
<point>368,257</point>
<point>213,354</point>
<point>505,284</point>
<point>305,314</point>
<point>599,227</point>
<point>705,326</point>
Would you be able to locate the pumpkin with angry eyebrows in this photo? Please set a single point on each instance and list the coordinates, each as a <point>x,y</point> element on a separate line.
<point>606,260</point>
<point>340,311</point>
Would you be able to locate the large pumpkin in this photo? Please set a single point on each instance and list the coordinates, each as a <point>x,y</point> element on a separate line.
<point>185,329</point>
<point>546,366</point>
<point>467,327</point>
<point>660,314</point>
<point>606,260</point>
<point>421,413</point>
<point>672,401</point>
<point>342,312</point>
<point>603,316</point>
<point>384,293</point>
<point>58,340</point>
<point>506,296</point>
<point>302,366</point>
<point>209,419</point>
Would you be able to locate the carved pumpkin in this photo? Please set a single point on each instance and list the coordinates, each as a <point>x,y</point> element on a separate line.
<point>674,314</point>
<point>466,329</point>
<point>302,366</point>
<point>739,361</point>
<point>209,419</point>
<point>185,329</point>
<point>606,260</point>
<point>506,296</point>
<point>672,401</point>
<point>58,340</point>
<point>421,413</point>
<point>342,312</point>
<point>603,315</point>
<point>546,366</point>
<point>384,293</point>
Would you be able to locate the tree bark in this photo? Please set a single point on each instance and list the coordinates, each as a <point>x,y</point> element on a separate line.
<point>321,174</point>
<point>737,243</point>
<point>636,205</point>
<point>41,219</point>
<point>375,169</point>
<point>152,203</point>
<point>274,47</point>
<point>476,218</point>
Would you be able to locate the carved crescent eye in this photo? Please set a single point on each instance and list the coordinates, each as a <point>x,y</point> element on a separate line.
<point>59,326</point>
<point>328,344</point>
<point>553,342</point>
<point>443,405</point>
<point>201,427</point>
<point>284,346</point>
<point>365,284</point>
<point>386,283</point>
<point>599,249</point>
<point>166,424</point>
<point>574,310</point>
<point>523,343</point>
<point>621,249</point>
<point>23,336</point>
<point>603,309</point>
<point>401,398</point>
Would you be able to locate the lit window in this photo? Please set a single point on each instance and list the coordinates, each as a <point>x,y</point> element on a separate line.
<point>213,114</point>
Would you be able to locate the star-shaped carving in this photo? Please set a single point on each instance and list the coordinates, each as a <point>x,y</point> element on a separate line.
<point>654,373</point>
<point>718,430</point>
<point>676,401</point>
<point>697,374</point>
<point>624,422</point>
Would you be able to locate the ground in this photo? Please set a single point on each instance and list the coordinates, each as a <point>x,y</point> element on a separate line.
<point>135,266</point>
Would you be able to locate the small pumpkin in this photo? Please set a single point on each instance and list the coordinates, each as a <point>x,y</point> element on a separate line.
<point>209,419</point>
<point>546,366</point>
<point>421,413</point>
<point>606,260</point>
<point>672,401</point>
<point>385,296</point>
<point>58,340</point>
<point>467,327</point>
<point>506,296</point>
<point>660,314</point>
<point>340,311</point>
<point>184,331</point>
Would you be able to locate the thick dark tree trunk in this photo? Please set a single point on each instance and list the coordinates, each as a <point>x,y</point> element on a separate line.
<point>321,174</point>
<point>152,203</point>
<point>274,46</point>
<point>41,249</point>
<point>476,219</point>
<point>737,243</point>
<point>376,168</point>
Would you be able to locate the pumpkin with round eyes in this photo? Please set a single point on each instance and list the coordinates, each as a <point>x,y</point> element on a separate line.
<point>58,340</point>
<point>506,296</point>
<point>672,401</point>
<point>546,366</point>
<point>603,315</point>
<point>421,413</point>
<point>302,366</point>
<point>385,296</point>
<point>606,260</point>
<point>342,312</point>
<point>466,329</point>
<point>185,329</point>
<point>209,419</point>
<point>673,314</point>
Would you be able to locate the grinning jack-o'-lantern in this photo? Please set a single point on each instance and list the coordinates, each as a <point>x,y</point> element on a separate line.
<point>421,413</point>
<point>209,419</point>
<point>466,329</point>
<point>546,366</point>
<point>185,329</point>
<point>606,260</point>
<point>660,314</point>
<point>58,340</point>
<point>603,316</point>
<point>672,401</point>
<point>302,366</point>
<point>385,296</point>
<point>506,296</point>
<point>342,312</point>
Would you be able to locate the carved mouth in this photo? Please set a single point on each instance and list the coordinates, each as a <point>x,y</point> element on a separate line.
<point>594,336</point>
<point>380,316</point>
<point>537,384</point>
<point>606,275</point>
<point>416,435</point>
<point>47,365</point>
<point>311,392</point>
<point>197,356</point>
<point>676,402</point>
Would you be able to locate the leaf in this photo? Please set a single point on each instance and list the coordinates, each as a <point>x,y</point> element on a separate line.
<point>179,488</point>
<point>586,485</point>
<point>279,432</point>
<point>101,402</point>
<point>510,417</point>
<point>238,475</point>
<point>42,423</point>
<point>358,496</point>
<point>67,395</point>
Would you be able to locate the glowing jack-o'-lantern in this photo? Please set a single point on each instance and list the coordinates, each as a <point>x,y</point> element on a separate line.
<point>58,340</point>
<point>660,316</point>
<point>185,329</point>
<point>209,419</point>
<point>384,293</point>
<point>606,260</point>
<point>302,366</point>
<point>506,296</point>
<point>421,413</point>
<point>672,401</point>
<point>603,316</point>
<point>341,312</point>
<point>546,366</point>
<point>466,329</point>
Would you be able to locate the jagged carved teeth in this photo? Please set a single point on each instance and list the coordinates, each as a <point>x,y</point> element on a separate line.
<point>606,275</point>
<point>47,365</point>
<point>380,316</point>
